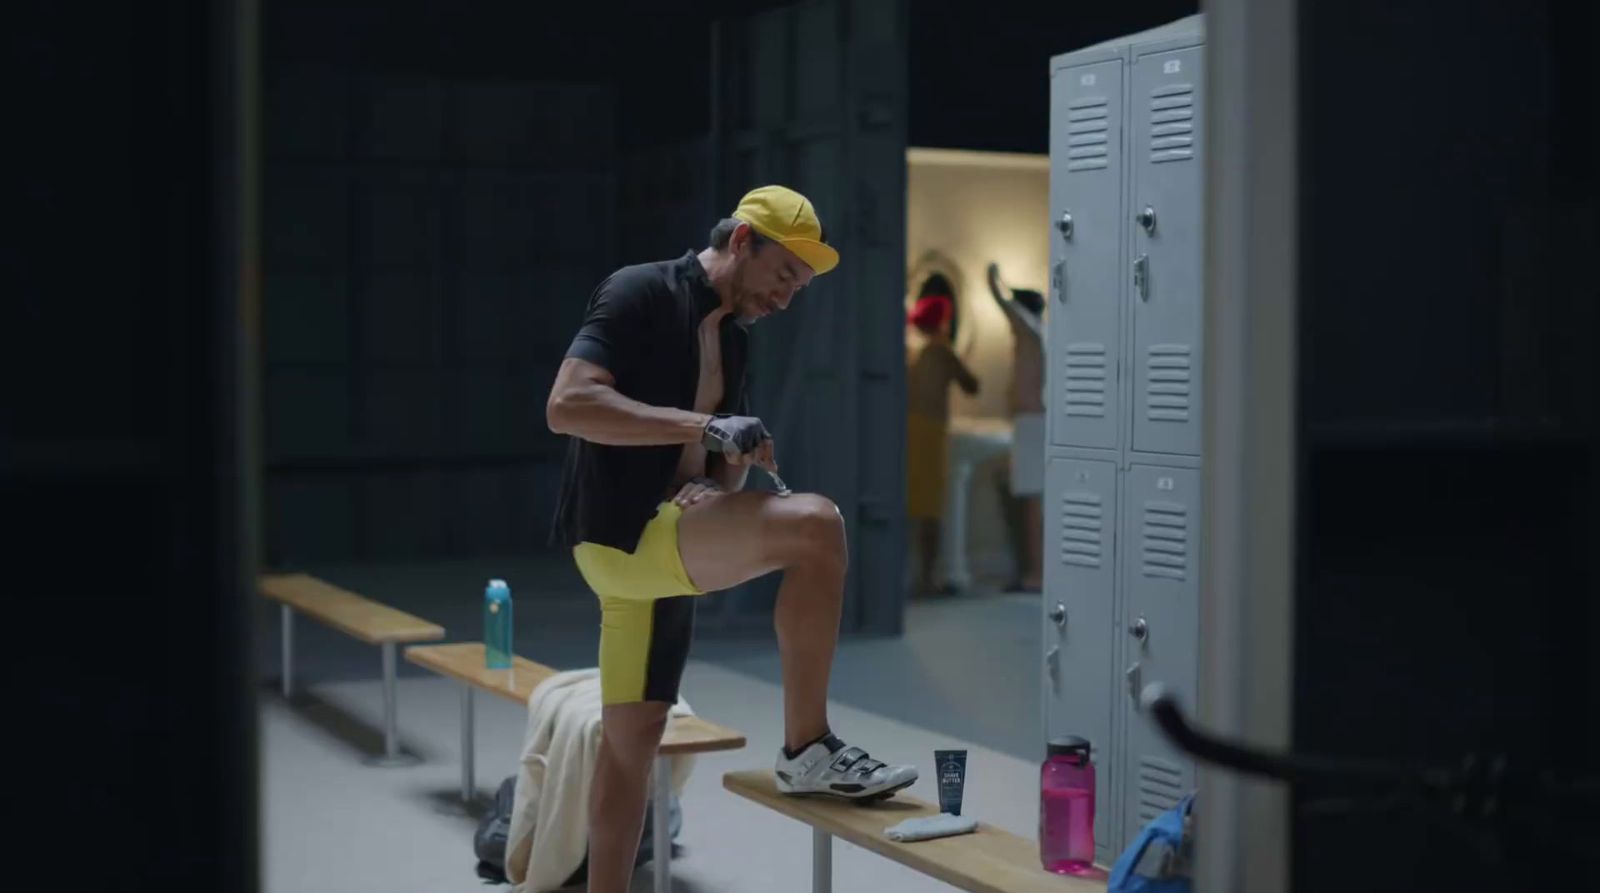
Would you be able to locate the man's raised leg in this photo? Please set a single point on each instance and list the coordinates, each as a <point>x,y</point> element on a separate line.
<point>728,539</point>
<point>731,538</point>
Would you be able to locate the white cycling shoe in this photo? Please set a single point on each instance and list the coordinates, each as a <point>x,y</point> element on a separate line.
<point>832,768</point>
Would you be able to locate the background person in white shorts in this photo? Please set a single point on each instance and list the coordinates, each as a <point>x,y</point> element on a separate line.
<point>1024,311</point>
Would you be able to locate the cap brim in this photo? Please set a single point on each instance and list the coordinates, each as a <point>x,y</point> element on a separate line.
<point>819,256</point>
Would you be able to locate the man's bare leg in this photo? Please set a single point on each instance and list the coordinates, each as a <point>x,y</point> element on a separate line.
<point>731,538</point>
<point>629,737</point>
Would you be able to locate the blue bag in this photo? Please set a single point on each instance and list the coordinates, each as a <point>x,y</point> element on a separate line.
<point>1161,858</point>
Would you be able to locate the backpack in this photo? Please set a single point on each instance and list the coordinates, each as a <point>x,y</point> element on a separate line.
<point>489,842</point>
<point>1161,858</point>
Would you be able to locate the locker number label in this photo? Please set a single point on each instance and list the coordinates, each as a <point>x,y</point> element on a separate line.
<point>1163,483</point>
<point>1173,66</point>
<point>1081,476</point>
<point>1087,80</point>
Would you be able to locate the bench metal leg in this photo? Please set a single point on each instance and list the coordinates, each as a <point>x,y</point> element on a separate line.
<point>821,861</point>
<point>466,744</point>
<point>662,828</point>
<point>391,731</point>
<point>287,613</point>
<point>391,734</point>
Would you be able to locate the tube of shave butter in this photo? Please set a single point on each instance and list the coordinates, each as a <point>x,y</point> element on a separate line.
<point>951,768</point>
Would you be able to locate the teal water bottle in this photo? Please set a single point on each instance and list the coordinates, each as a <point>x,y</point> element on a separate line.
<point>497,625</point>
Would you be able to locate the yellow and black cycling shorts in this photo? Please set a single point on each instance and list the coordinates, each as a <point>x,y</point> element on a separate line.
<point>646,612</point>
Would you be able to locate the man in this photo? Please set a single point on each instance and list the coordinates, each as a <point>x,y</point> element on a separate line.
<point>1024,311</point>
<point>652,392</point>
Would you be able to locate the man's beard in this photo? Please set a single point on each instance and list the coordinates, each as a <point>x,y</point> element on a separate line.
<point>747,308</point>
<point>749,311</point>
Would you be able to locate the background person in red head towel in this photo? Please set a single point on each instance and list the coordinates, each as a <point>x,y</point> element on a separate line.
<point>931,366</point>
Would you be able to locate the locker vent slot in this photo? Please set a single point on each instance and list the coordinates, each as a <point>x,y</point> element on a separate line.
<point>1082,529</point>
<point>1160,787</point>
<point>1168,383</point>
<point>1166,540</point>
<point>1172,123</point>
<point>1086,379</point>
<point>1088,134</point>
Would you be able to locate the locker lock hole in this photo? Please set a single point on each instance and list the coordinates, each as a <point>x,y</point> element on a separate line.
<point>1147,219</point>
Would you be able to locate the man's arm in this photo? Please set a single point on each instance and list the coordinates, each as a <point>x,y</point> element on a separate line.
<point>959,370</point>
<point>584,402</point>
<point>1023,323</point>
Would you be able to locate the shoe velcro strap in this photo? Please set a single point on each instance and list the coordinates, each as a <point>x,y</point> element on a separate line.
<point>855,760</point>
<point>847,758</point>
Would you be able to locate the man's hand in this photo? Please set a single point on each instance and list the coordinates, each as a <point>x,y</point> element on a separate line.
<point>765,456</point>
<point>742,440</point>
<point>695,490</point>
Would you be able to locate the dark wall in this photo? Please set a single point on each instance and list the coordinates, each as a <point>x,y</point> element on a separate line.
<point>436,213</point>
<point>980,74</point>
<point>123,479</point>
<point>1449,457</point>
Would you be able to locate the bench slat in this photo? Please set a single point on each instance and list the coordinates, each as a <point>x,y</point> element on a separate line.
<point>351,614</point>
<point>692,734</point>
<point>463,662</point>
<point>990,860</point>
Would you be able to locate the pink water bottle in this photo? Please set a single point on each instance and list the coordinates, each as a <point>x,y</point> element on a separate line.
<point>1066,808</point>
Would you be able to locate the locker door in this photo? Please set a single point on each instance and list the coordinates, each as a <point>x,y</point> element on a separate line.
<point>1166,263</point>
<point>1161,620</point>
<point>1086,183</point>
<point>1078,614</point>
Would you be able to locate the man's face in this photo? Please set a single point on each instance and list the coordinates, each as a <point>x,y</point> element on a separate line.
<point>764,280</point>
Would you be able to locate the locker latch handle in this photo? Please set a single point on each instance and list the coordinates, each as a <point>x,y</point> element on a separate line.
<point>1133,675</point>
<point>1141,276</point>
<point>1147,219</point>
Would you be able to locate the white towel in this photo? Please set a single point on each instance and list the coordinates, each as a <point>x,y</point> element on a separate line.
<point>549,833</point>
<point>928,827</point>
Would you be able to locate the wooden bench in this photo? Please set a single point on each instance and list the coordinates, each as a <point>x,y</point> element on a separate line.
<point>464,662</point>
<point>355,616</point>
<point>988,860</point>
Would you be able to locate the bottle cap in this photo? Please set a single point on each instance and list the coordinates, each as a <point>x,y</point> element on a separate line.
<point>1070,746</point>
<point>498,584</point>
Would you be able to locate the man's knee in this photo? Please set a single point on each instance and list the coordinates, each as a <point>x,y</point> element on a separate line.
<point>633,739</point>
<point>817,529</point>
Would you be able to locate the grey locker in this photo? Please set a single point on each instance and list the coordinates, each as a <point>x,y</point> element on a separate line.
<point>1080,567</point>
<point>1161,615</point>
<point>1166,265</point>
<point>1086,197</point>
<point>1124,402</point>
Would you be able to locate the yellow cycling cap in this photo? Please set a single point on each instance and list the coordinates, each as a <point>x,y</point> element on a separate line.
<point>786,217</point>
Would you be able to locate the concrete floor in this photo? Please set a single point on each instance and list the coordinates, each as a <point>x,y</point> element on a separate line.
<point>964,675</point>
